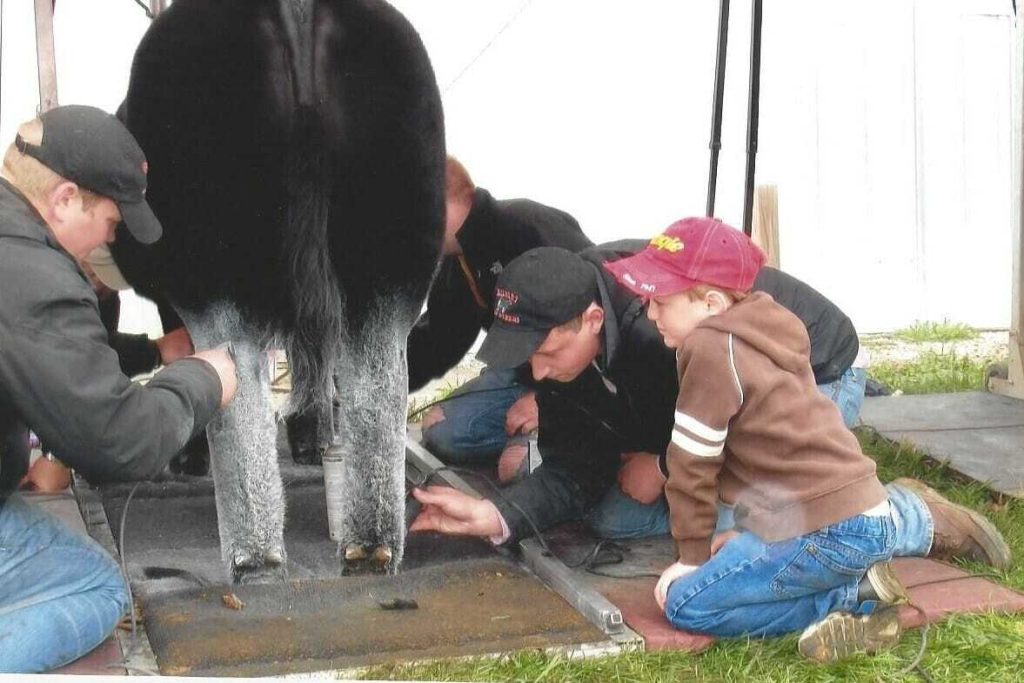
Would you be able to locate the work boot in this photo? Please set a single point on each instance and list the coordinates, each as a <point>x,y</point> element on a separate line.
<point>842,634</point>
<point>959,531</point>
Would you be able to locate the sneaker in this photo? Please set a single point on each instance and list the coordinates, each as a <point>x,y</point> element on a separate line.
<point>881,583</point>
<point>960,532</point>
<point>842,634</point>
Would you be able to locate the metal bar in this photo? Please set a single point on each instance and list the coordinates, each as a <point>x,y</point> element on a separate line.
<point>157,6</point>
<point>46,62</point>
<point>597,609</point>
<point>716,107</point>
<point>424,463</point>
<point>753,112</point>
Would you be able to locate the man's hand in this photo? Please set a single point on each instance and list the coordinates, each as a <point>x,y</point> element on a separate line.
<point>674,571</point>
<point>640,478</point>
<point>522,417</point>
<point>174,345</point>
<point>721,539</point>
<point>454,512</point>
<point>46,476</point>
<point>224,365</point>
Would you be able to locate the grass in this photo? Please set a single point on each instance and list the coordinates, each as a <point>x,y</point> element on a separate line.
<point>930,331</point>
<point>982,648</point>
<point>933,372</point>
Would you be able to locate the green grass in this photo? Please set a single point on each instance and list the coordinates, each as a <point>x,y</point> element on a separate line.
<point>936,332</point>
<point>965,649</point>
<point>933,372</point>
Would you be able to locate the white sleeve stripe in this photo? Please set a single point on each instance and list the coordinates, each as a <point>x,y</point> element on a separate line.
<point>735,374</point>
<point>700,429</point>
<point>695,447</point>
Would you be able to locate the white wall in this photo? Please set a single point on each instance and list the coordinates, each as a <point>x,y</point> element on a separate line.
<point>886,125</point>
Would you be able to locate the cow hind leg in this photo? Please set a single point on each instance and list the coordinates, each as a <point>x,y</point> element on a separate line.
<point>365,471</point>
<point>242,436</point>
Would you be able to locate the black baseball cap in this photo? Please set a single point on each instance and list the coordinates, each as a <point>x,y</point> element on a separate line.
<point>93,149</point>
<point>535,293</point>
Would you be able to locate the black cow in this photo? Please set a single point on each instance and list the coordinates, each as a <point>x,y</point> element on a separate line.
<point>296,162</point>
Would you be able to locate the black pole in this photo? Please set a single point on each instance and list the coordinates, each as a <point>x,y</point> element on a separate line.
<point>753,102</point>
<point>716,107</point>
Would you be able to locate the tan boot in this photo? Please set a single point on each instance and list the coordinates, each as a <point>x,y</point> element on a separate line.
<point>842,634</point>
<point>881,583</point>
<point>959,531</point>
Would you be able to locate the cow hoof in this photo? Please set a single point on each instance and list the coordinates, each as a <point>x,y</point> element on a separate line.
<point>246,568</point>
<point>359,561</point>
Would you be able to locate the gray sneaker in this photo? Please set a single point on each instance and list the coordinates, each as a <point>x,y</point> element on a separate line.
<point>842,634</point>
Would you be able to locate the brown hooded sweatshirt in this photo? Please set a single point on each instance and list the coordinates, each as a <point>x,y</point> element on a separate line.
<point>752,429</point>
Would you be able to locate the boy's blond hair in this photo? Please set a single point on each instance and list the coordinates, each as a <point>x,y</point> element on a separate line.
<point>701,290</point>
<point>30,176</point>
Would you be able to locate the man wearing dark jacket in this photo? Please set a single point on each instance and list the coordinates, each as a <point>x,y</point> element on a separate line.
<point>482,235</point>
<point>606,395</point>
<point>70,179</point>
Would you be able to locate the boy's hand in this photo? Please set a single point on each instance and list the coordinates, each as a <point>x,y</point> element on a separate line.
<point>454,512</point>
<point>721,539</point>
<point>523,416</point>
<point>675,571</point>
<point>640,478</point>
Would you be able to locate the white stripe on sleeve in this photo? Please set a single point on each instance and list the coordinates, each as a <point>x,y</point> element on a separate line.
<point>695,447</point>
<point>697,427</point>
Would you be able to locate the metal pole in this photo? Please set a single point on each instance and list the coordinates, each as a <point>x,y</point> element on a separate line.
<point>753,104</point>
<point>716,107</point>
<point>46,62</point>
<point>157,6</point>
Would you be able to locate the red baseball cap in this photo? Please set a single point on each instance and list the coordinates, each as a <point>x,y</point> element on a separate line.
<point>690,252</point>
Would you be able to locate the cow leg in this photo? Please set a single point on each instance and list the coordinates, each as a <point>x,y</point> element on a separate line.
<point>243,456</point>
<point>311,433</point>
<point>365,471</point>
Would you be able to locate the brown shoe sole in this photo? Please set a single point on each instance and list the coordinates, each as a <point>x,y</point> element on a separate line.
<point>841,634</point>
<point>992,542</point>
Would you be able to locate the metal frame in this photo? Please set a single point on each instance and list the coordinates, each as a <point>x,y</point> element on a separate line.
<point>46,62</point>
<point>1013,385</point>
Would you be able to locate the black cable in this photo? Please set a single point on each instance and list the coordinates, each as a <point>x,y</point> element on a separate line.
<point>451,397</point>
<point>124,561</point>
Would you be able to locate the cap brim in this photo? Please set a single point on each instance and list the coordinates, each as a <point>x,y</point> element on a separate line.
<point>140,221</point>
<point>646,277</point>
<point>506,348</point>
<point>102,263</point>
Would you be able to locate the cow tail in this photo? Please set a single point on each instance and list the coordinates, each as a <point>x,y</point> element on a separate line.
<point>314,342</point>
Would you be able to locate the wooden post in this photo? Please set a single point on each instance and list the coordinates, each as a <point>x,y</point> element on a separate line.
<point>1013,385</point>
<point>766,222</point>
<point>46,62</point>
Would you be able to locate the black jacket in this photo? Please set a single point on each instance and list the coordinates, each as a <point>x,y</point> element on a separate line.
<point>626,401</point>
<point>494,233</point>
<point>59,377</point>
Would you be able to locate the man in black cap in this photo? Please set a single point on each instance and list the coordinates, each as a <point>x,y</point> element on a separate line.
<point>72,177</point>
<point>606,398</point>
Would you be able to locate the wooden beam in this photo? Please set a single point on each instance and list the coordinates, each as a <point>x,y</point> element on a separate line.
<point>46,62</point>
<point>1013,385</point>
<point>766,222</point>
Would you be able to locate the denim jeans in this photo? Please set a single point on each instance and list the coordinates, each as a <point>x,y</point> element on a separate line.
<point>61,594</point>
<point>473,429</point>
<point>847,393</point>
<point>753,588</point>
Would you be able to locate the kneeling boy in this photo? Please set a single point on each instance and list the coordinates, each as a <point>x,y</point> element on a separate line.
<point>814,526</point>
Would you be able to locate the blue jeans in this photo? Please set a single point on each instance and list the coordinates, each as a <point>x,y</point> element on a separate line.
<point>753,588</point>
<point>847,393</point>
<point>473,429</point>
<point>61,594</point>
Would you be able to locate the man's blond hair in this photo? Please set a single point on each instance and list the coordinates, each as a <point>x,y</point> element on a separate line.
<point>30,176</point>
